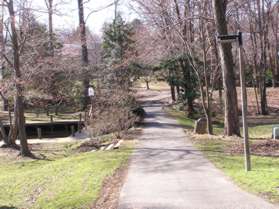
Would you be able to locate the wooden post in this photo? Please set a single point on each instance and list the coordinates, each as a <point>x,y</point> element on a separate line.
<point>86,122</point>
<point>244,107</point>
<point>73,130</point>
<point>37,113</point>
<point>39,132</point>
<point>66,129</point>
<point>79,123</point>
<point>51,121</point>
<point>10,118</point>
<point>85,117</point>
<point>47,111</point>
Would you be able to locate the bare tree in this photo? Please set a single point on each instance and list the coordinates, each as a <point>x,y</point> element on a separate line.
<point>19,96</point>
<point>2,49</point>
<point>49,5</point>
<point>275,32</point>
<point>84,56</point>
<point>262,27</point>
<point>2,44</point>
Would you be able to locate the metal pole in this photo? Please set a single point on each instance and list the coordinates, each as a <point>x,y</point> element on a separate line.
<point>244,107</point>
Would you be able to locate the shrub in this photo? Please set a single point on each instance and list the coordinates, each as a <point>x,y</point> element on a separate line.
<point>113,112</point>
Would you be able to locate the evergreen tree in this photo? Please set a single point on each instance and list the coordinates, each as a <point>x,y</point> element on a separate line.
<point>117,52</point>
<point>117,41</point>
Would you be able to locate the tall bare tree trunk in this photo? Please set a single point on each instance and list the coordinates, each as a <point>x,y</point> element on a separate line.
<point>172,86</point>
<point>207,103</point>
<point>263,55</point>
<point>49,4</point>
<point>147,84</point>
<point>275,50</point>
<point>230,94</point>
<point>2,46</point>
<point>276,55</point>
<point>172,89</point>
<point>84,53</point>
<point>10,140</point>
<point>2,51</point>
<point>19,98</point>
<point>254,44</point>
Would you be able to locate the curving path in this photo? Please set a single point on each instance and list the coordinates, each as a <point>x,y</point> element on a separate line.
<point>167,172</point>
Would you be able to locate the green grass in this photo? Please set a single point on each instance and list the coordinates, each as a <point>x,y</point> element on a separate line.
<point>260,131</point>
<point>262,180</point>
<point>255,131</point>
<point>264,177</point>
<point>189,123</point>
<point>63,183</point>
<point>182,119</point>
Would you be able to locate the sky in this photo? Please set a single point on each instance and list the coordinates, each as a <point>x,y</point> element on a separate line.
<point>69,13</point>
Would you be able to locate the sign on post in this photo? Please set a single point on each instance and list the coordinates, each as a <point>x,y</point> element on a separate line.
<point>91,92</point>
<point>231,39</point>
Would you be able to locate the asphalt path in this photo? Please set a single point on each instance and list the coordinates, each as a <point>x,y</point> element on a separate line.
<point>167,172</point>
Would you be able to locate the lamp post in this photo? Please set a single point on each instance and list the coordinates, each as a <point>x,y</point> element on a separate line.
<point>230,39</point>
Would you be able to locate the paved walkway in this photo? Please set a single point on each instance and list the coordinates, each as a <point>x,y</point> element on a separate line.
<point>167,172</point>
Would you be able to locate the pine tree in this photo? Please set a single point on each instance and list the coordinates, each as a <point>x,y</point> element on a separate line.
<point>117,41</point>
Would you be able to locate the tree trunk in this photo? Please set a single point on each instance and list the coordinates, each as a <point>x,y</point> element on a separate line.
<point>84,54</point>
<point>5,102</point>
<point>276,67</point>
<point>50,28</point>
<point>254,44</point>
<point>230,94</point>
<point>191,109</point>
<point>276,55</point>
<point>188,86</point>
<point>172,88</point>
<point>3,134</point>
<point>208,111</point>
<point>2,50</point>
<point>2,44</point>
<point>177,91</point>
<point>220,92</point>
<point>19,98</point>
<point>205,82</point>
<point>264,110</point>
<point>263,59</point>
<point>24,149</point>
<point>12,132</point>
<point>147,84</point>
<point>272,64</point>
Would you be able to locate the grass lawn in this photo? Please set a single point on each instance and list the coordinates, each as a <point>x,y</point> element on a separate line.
<point>255,131</point>
<point>62,182</point>
<point>154,85</point>
<point>262,180</point>
<point>260,131</point>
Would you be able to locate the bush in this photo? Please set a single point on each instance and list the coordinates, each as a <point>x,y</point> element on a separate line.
<point>113,112</point>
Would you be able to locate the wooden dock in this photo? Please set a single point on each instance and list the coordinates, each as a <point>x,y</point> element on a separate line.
<point>48,127</point>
